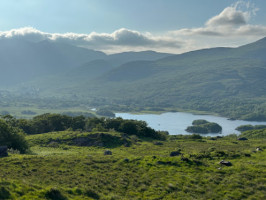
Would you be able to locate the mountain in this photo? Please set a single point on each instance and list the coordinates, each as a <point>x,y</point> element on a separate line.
<point>21,60</point>
<point>228,81</point>
<point>125,57</point>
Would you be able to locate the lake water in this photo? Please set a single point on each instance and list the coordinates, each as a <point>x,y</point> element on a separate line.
<point>176,122</point>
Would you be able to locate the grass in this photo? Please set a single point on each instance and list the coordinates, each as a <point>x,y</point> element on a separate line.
<point>142,171</point>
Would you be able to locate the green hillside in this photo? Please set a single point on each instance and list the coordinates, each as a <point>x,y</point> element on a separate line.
<point>227,81</point>
<point>59,167</point>
<point>81,157</point>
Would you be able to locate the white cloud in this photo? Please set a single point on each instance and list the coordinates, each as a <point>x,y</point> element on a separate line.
<point>122,38</point>
<point>230,16</point>
<point>229,28</point>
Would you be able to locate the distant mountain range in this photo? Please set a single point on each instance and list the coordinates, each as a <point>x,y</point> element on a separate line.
<point>21,60</point>
<point>222,80</point>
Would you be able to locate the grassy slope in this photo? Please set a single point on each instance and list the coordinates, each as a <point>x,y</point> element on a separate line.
<point>84,172</point>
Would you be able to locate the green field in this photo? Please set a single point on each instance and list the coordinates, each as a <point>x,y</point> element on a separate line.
<point>56,168</point>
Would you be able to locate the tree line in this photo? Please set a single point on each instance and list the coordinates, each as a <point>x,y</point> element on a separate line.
<point>13,131</point>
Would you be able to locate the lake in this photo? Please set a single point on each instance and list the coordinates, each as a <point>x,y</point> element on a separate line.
<point>176,122</point>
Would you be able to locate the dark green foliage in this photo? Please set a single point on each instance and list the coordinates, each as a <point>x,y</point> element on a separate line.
<point>256,133</point>
<point>76,114</point>
<point>55,122</point>
<point>196,136</point>
<point>134,127</point>
<point>4,193</point>
<point>54,194</point>
<point>199,122</point>
<point>203,126</point>
<point>197,129</point>
<point>250,127</point>
<point>12,137</point>
<point>244,128</point>
<point>50,122</point>
<point>92,194</point>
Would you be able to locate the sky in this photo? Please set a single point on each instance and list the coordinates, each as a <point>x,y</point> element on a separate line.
<point>112,26</point>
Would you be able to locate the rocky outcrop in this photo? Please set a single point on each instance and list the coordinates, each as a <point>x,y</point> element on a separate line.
<point>226,163</point>
<point>175,153</point>
<point>3,151</point>
<point>107,152</point>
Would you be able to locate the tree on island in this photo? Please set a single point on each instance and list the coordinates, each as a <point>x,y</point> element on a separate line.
<point>204,127</point>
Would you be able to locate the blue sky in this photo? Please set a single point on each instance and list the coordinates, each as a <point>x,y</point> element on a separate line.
<point>125,25</point>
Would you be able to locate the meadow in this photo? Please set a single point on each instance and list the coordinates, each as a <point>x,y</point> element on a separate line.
<point>55,167</point>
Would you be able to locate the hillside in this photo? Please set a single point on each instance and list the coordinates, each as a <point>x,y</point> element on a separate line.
<point>21,60</point>
<point>67,157</point>
<point>145,170</point>
<point>228,81</point>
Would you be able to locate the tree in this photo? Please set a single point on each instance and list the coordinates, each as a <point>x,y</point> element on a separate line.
<point>12,137</point>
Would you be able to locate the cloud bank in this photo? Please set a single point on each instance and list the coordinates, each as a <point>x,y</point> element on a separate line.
<point>231,27</point>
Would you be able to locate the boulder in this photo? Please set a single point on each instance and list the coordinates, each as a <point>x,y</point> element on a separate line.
<point>175,153</point>
<point>107,152</point>
<point>3,151</point>
<point>258,149</point>
<point>226,163</point>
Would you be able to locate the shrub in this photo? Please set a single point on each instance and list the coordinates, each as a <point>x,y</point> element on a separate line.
<point>54,194</point>
<point>12,137</point>
<point>92,194</point>
<point>4,193</point>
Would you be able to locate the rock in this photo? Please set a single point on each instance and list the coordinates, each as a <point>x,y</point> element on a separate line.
<point>107,152</point>
<point>242,138</point>
<point>3,151</point>
<point>175,153</point>
<point>226,163</point>
<point>258,149</point>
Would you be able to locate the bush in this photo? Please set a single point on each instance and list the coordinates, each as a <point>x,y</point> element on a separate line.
<point>92,194</point>
<point>12,137</point>
<point>54,194</point>
<point>4,193</point>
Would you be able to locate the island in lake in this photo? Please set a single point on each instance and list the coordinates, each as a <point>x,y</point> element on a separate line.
<point>203,126</point>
